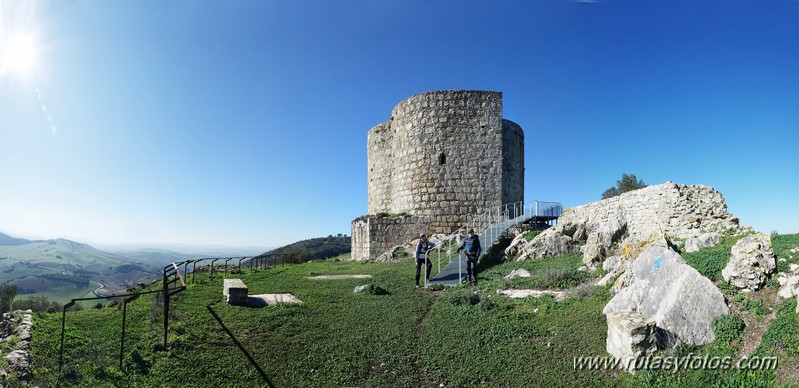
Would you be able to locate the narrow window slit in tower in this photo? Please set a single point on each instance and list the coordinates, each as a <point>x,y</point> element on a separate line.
<point>442,159</point>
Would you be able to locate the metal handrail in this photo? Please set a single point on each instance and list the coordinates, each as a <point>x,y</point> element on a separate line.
<point>496,215</point>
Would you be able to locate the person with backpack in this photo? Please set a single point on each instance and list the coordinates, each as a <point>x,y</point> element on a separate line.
<point>473,249</point>
<point>423,248</point>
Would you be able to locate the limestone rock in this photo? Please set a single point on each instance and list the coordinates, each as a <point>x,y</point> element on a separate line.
<point>668,209</point>
<point>548,243</point>
<point>22,345</point>
<point>675,296</point>
<point>608,278</point>
<point>19,364</point>
<point>789,282</point>
<point>631,336</point>
<point>593,254</point>
<point>515,246</point>
<point>611,263</point>
<point>24,334</point>
<point>751,261</point>
<point>705,240</point>
<point>397,253</point>
<point>518,273</point>
<point>608,232</point>
<point>524,293</point>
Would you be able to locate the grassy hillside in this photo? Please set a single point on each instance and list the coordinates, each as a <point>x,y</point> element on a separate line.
<point>61,269</point>
<point>319,248</point>
<point>407,337</point>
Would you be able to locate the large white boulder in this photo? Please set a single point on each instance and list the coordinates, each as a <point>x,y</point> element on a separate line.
<point>680,301</point>
<point>751,261</point>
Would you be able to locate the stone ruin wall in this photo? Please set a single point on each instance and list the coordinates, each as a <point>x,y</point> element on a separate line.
<point>681,211</point>
<point>442,157</point>
<point>374,236</point>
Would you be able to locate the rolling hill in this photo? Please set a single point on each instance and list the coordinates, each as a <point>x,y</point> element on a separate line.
<point>62,269</point>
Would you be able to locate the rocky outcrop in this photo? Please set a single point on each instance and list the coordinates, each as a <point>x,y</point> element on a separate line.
<point>674,210</point>
<point>662,287</point>
<point>751,261</point>
<point>705,240</point>
<point>549,243</point>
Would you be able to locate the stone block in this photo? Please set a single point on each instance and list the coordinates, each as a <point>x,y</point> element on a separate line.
<point>235,292</point>
<point>631,336</point>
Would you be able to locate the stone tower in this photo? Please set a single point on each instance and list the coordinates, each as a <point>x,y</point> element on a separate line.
<point>441,157</point>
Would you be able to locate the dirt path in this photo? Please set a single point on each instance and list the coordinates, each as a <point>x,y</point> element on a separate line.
<point>753,333</point>
<point>431,297</point>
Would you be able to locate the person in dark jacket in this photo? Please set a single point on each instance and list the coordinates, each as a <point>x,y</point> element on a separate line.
<point>423,248</point>
<point>473,249</point>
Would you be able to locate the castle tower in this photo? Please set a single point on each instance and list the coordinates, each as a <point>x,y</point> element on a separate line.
<point>443,156</point>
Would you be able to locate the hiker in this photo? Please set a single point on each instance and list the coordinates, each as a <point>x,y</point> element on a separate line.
<point>473,249</point>
<point>423,249</point>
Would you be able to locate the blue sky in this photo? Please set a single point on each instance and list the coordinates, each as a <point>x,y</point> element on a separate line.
<point>245,122</point>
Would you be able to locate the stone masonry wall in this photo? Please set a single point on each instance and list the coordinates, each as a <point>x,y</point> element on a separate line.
<point>445,155</point>
<point>512,169</point>
<point>374,236</point>
<point>442,157</point>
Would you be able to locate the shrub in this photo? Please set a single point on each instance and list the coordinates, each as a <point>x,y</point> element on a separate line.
<point>465,297</point>
<point>754,307</point>
<point>728,328</point>
<point>37,303</point>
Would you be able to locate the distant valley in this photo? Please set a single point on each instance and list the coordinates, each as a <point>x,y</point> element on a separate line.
<point>62,269</point>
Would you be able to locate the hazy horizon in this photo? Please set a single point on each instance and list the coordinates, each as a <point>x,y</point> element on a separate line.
<point>156,123</point>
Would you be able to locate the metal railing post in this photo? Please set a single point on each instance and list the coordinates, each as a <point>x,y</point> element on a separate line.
<point>439,258</point>
<point>426,259</point>
<point>226,265</point>
<point>186,266</point>
<point>124,317</point>
<point>61,350</point>
<point>449,252</point>
<point>460,269</point>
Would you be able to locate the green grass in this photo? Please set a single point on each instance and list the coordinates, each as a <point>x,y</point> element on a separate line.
<point>710,261</point>
<point>459,336</point>
<point>551,272</point>
<point>529,235</point>
<point>782,244</point>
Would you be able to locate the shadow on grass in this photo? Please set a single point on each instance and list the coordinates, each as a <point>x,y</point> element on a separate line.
<point>238,344</point>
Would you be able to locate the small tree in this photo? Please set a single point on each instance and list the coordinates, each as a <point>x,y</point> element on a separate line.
<point>7,294</point>
<point>628,182</point>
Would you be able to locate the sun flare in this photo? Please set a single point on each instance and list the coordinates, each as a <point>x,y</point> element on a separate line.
<point>18,55</point>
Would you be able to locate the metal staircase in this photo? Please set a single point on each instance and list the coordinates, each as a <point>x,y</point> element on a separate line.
<point>490,225</point>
